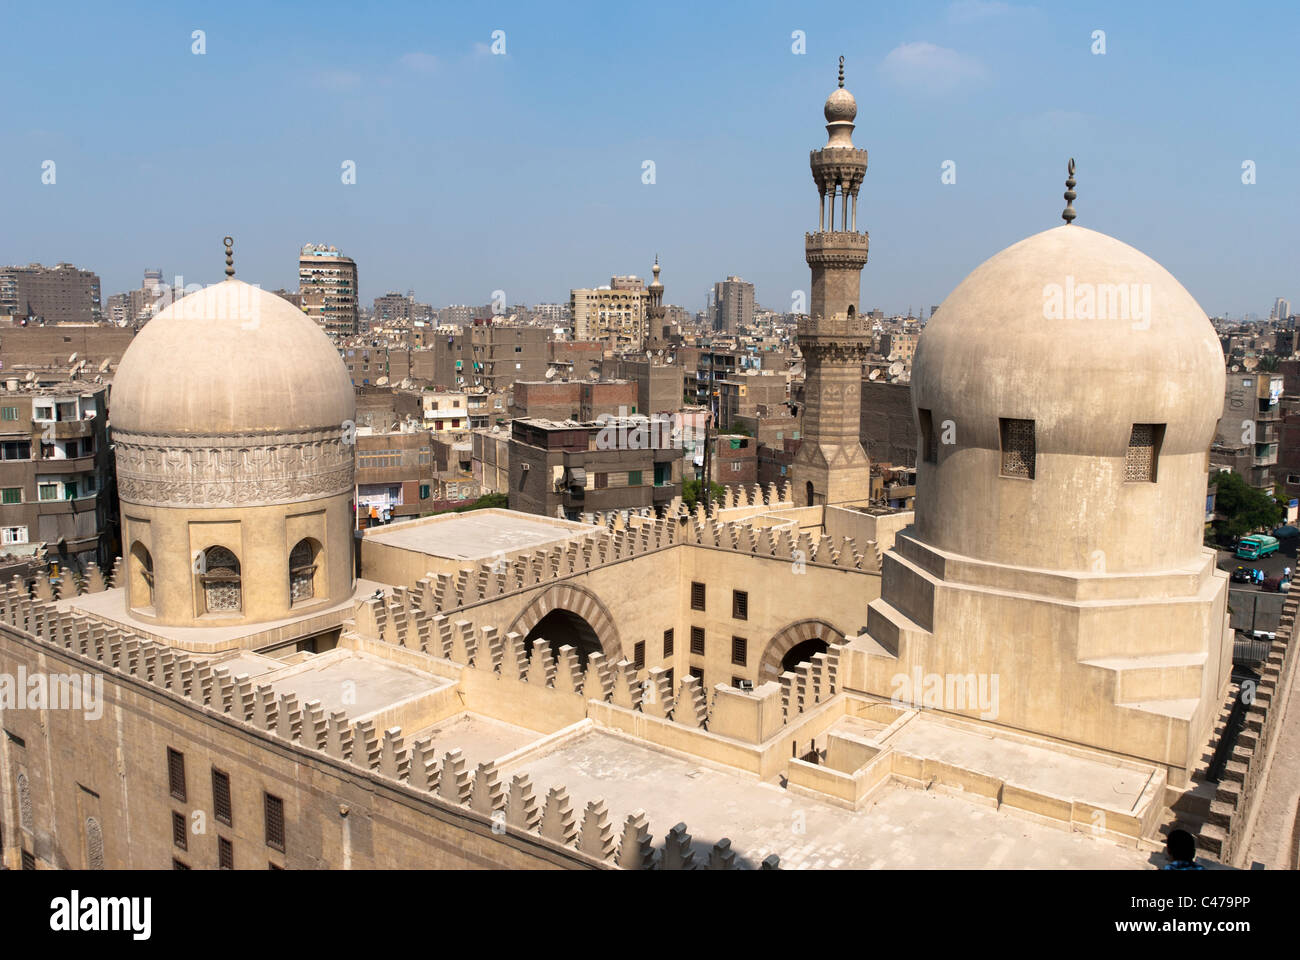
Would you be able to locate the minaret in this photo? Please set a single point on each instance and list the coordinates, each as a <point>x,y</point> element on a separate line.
<point>653,335</point>
<point>831,466</point>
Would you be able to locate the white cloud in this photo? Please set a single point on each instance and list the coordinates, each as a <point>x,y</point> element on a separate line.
<point>929,68</point>
<point>419,62</point>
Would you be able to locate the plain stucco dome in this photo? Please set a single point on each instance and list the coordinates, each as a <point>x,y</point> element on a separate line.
<point>231,359</point>
<point>999,348</point>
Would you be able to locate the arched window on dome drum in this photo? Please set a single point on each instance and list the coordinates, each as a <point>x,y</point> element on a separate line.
<point>302,570</point>
<point>141,576</point>
<point>221,584</point>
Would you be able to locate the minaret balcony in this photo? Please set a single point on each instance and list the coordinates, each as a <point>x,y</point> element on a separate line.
<point>836,248</point>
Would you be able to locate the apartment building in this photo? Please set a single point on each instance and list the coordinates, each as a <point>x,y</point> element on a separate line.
<point>327,281</point>
<point>395,474</point>
<point>58,497</point>
<point>569,468</point>
<point>614,315</point>
<point>1249,432</point>
<point>59,294</point>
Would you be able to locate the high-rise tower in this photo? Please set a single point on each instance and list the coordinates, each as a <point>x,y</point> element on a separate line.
<point>831,466</point>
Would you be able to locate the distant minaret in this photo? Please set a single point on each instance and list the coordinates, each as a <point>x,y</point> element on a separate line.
<point>831,466</point>
<point>655,311</point>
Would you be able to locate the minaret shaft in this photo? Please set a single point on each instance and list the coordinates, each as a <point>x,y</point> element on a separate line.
<point>831,466</point>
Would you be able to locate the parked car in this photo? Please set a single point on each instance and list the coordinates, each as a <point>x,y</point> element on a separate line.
<point>1241,575</point>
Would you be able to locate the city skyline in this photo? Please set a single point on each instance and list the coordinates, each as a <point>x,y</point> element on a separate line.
<point>471,174</point>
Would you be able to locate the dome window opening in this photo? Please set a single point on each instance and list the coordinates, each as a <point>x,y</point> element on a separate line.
<point>1143,454</point>
<point>221,581</point>
<point>929,444</point>
<point>302,572</point>
<point>1018,450</point>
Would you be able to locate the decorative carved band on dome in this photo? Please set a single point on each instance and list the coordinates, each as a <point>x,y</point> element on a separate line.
<point>230,471</point>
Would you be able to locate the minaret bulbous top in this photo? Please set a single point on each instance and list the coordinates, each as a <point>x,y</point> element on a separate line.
<point>840,111</point>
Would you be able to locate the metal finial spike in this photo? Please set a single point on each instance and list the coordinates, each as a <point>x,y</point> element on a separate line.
<point>230,256</point>
<point>1068,213</point>
<point>841,72</point>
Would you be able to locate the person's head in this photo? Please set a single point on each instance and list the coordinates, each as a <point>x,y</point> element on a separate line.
<point>1181,846</point>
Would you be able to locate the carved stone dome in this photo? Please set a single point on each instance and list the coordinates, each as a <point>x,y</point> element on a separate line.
<point>1068,390</point>
<point>231,359</point>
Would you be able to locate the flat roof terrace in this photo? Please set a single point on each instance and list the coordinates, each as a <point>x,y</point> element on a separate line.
<point>902,828</point>
<point>475,534</point>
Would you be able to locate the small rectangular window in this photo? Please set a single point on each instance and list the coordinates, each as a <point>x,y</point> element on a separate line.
<point>221,796</point>
<point>1018,449</point>
<point>739,651</point>
<point>179,833</point>
<point>668,643</point>
<point>274,822</point>
<point>9,413</point>
<point>176,773</point>
<point>698,673</point>
<point>739,605</point>
<point>225,854</point>
<point>634,478</point>
<point>929,447</point>
<point>1143,454</point>
<point>638,655</point>
<point>178,865</point>
<point>697,641</point>
<point>697,596</point>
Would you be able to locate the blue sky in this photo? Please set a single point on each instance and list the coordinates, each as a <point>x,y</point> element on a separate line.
<point>523,171</point>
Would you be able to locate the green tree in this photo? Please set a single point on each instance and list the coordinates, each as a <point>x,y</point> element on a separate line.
<point>1240,508</point>
<point>691,493</point>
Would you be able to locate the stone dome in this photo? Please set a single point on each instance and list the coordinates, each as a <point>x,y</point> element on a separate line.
<point>231,359</point>
<point>840,107</point>
<point>1103,350</point>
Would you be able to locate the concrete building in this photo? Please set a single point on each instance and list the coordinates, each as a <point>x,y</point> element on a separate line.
<point>394,306</point>
<point>395,474</point>
<point>327,282</point>
<point>568,468</point>
<point>58,294</point>
<point>831,466</point>
<point>1249,431</point>
<point>583,400</point>
<point>733,305</point>
<point>56,473</point>
<point>614,315</point>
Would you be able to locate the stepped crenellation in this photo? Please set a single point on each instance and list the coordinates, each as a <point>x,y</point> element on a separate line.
<point>484,648</point>
<point>381,755</point>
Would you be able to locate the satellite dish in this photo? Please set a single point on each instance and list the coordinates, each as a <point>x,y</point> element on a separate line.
<point>381,382</point>
<point>72,359</point>
<point>103,367</point>
<point>31,375</point>
<point>594,373</point>
<point>550,373</point>
<point>1235,369</point>
<point>669,360</point>
<point>873,375</point>
<point>1250,363</point>
<point>895,369</point>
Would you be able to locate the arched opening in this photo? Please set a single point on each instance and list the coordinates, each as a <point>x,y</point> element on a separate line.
<point>304,570</point>
<point>852,312</point>
<point>808,488</point>
<point>219,575</point>
<point>563,627</point>
<point>141,576</point>
<point>803,652</point>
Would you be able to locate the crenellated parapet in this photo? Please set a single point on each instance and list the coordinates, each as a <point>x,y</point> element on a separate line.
<point>591,837</point>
